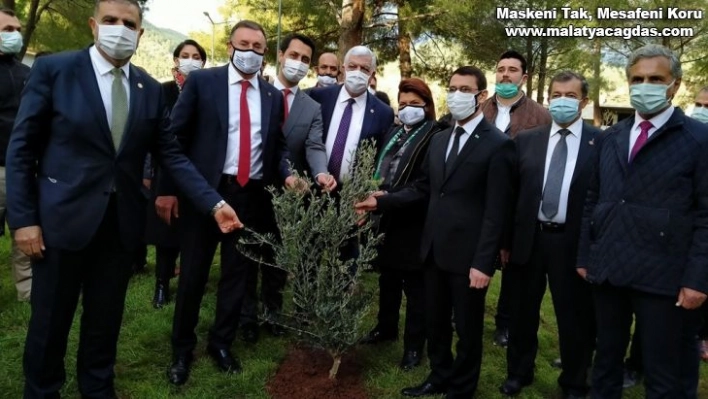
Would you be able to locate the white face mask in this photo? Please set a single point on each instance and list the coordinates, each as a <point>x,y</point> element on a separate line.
<point>356,82</point>
<point>187,65</point>
<point>10,42</point>
<point>411,115</point>
<point>461,105</point>
<point>700,114</point>
<point>326,80</point>
<point>294,70</point>
<point>247,62</point>
<point>117,41</point>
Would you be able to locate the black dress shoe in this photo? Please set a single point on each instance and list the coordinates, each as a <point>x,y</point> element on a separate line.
<point>411,359</point>
<point>557,363</point>
<point>512,386</point>
<point>249,333</point>
<point>179,370</point>
<point>631,378</point>
<point>377,337</point>
<point>224,360</point>
<point>162,295</point>
<point>275,329</point>
<point>425,389</point>
<point>501,337</point>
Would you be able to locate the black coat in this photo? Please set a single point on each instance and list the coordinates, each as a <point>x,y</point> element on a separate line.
<point>466,208</point>
<point>403,228</point>
<point>531,149</point>
<point>13,75</point>
<point>645,224</point>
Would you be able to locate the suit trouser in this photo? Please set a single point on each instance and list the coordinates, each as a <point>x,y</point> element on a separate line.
<point>502,319</point>
<point>199,238</point>
<point>446,292</point>
<point>392,284</point>
<point>165,263</point>
<point>99,274</point>
<point>668,344</point>
<point>21,265</point>
<point>272,283</point>
<point>572,301</point>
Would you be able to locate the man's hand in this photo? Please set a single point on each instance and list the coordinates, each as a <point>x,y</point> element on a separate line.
<point>689,298</point>
<point>327,182</point>
<point>504,255</point>
<point>29,241</point>
<point>295,184</point>
<point>583,272</point>
<point>147,183</point>
<point>167,206</point>
<point>478,279</point>
<point>227,220</point>
<point>368,205</point>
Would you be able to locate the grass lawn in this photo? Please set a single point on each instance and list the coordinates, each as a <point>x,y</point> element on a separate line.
<point>144,352</point>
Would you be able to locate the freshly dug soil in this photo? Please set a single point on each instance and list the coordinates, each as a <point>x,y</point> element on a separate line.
<point>304,374</point>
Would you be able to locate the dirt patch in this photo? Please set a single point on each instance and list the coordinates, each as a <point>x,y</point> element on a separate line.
<point>304,374</point>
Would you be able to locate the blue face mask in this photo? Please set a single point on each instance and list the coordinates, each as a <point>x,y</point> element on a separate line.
<point>649,98</point>
<point>506,90</point>
<point>700,114</point>
<point>564,109</point>
<point>10,42</point>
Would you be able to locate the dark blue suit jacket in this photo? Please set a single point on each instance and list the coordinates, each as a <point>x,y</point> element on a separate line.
<point>645,224</point>
<point>378,117</point>
<point>200,120</point>
<point>62,164</point>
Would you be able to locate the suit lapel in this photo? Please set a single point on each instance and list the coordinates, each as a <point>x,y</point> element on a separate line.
<point>369,115</point>
<point>477,135</point>
<point>327,112</point>
<point>221,87</point>
<point>438,156</point>
<point>266,109</point>
<point>586,143</point>
<point>85,75</point>
<point>136,102</point>
<point>412,147</point>
<point>539,150</point>
<point>294,113</point>
<point>621,142</point>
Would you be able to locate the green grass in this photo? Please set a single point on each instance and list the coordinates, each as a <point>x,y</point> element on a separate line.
<point>144,352</point>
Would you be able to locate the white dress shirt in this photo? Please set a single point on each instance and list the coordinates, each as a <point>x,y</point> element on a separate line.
<point>102,68</point>
<point>355,127</point>
<point>573,142</point>
<point>503,117</point>
<point>657,122</point>
<point>291,97</point>
<point>469,128</point>
<point>233,145</point>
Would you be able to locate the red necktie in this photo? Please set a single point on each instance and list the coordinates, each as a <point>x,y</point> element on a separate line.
<point>286,106</point>
<point>641,140</point>
<point>244,150</point>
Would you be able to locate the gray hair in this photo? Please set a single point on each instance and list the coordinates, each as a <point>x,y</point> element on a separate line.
<point>655,50</point>
<point>361,51</point>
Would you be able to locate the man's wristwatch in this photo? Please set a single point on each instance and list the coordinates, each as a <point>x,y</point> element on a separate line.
<point>218,206</point>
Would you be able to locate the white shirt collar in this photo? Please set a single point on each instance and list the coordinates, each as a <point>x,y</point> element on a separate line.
<point>657,121</point>
<point>344,96</point>
<point>576,128</point>
<point>471,124</point>
<point>280,86</point>
<point>103,67</point>
<point>235,77</point>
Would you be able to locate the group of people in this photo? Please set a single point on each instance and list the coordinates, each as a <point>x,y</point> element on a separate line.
<point>614,221</point>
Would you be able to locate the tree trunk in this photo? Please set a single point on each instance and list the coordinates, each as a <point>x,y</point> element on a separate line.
<point>351,28</point>
<point>31,24</point>
<point>597,78</point>
<point>404,46</point>
<point>529,65</point>
<point>8,4</point>
<point>335,367</point>
<point>542,72</point>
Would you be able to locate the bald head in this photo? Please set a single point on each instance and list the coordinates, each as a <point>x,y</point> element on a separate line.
<point>328,64</point>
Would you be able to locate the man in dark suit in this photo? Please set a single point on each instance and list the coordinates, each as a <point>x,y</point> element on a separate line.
<point>467,179</point>
<point>74,168</point>
<point>228,120</point>
<point>303,132</point>
<point>644,237</point>
<point>350,113</point>
<point>554,169</point>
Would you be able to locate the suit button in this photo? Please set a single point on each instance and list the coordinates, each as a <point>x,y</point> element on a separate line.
<point>661,233</point>
<point>622,201</point>
<point>442,195</point>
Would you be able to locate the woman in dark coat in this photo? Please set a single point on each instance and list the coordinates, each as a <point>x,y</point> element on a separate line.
<point>189,56</point>
<point>399,162</point>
